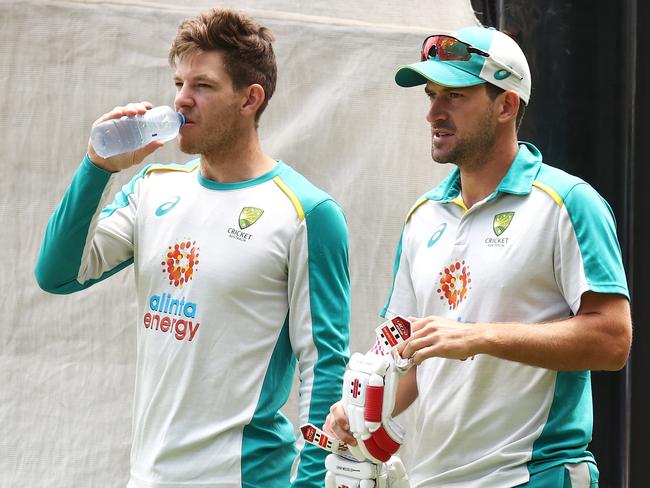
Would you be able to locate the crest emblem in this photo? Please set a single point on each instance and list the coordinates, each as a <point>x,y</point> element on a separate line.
<point>248,216</point>
<point>501,222</point>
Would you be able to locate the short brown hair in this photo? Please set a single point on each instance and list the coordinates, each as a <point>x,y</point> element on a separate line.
<point>494,91</point>
<point>246,45</point>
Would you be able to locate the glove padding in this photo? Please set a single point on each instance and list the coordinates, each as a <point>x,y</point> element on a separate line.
<point>369,389</point>
<point>346,473</point>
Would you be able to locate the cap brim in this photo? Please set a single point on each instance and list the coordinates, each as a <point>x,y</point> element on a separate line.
<point>442,73</point>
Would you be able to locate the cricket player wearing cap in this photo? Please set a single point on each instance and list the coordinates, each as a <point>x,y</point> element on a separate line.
<point>514,268</point>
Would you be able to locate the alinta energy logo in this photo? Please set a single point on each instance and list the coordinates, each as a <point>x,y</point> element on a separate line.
<point>172,315</point>
<point>247,217</point>
<point>455,282</point>
<point>181,261</point>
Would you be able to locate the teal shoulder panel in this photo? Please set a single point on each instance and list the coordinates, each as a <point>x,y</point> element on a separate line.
<point>560,181</point>
<point>268,440</point>
<point>57,265</point>
<point>595,228</point>
<point>329,296</point>
<point>309,194</point>
<point>568,429</point>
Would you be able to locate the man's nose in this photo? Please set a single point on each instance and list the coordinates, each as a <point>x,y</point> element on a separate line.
<point>436,112</point>
<point>183,98</point>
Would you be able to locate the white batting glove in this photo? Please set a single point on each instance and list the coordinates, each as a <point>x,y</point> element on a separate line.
<point>346,473</point>
<point>369,391</point>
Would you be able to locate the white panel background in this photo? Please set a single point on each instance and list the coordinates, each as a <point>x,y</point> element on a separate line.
<point>67,363</point>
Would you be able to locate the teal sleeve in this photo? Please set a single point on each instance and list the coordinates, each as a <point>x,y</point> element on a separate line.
<point>595,229</point>
<point>329,295</point>
<point>59,259</point>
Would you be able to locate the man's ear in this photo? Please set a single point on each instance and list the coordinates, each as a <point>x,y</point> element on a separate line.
<point>254,98</point>
<point>509,106</point>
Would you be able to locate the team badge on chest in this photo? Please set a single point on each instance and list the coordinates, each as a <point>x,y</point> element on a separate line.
<point>248,216</point>
<point>501,222</point>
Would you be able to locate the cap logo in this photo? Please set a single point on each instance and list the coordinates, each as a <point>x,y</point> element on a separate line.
<point>502,74</point>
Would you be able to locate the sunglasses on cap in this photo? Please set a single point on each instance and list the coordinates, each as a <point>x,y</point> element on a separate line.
<point>448,48</point>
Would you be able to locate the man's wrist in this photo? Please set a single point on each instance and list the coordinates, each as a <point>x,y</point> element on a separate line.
<point>485,340</point>
<point>88,160</point>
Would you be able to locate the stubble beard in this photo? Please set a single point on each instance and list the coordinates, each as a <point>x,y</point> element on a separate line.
<point>214,144</point>
<point>217,139</point>
<point>469,152</point>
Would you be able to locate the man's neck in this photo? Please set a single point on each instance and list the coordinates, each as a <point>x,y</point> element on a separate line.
<point>241,160</point>
<point>480,180</point>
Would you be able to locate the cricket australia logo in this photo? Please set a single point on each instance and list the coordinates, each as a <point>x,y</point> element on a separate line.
<point>248,216</point>
<point>499,225</point>
<point>501,222</point>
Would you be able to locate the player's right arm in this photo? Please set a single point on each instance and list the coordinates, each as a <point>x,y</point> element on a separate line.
<point>407,391</point>
<point>84,244</point>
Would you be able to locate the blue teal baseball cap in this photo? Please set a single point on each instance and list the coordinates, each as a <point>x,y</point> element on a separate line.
<point>484,55</point>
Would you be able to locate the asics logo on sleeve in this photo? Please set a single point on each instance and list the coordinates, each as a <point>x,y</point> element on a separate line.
<point>437,234</point>
<point>167,206</point>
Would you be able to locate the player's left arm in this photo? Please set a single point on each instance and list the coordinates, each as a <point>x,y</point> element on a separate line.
<point>597,338</point>
<point>319,294</point>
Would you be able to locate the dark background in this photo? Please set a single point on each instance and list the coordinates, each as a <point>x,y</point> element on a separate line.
<point>587,116</point>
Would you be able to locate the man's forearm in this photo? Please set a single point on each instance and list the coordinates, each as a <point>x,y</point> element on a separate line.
<point>407,391</point>
<point>597,338</point>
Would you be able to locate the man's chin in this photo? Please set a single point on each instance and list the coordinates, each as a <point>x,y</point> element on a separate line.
<point>442,157</point>
<point>188,148</point>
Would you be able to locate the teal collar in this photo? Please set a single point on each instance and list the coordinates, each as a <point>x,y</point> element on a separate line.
<point>215,185</point>
<point>517,181</point>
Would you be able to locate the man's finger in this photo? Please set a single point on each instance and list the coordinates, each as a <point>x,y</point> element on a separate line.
<point>145,151</point>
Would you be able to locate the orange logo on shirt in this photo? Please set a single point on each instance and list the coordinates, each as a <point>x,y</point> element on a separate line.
<point>180,262</point>
<point>454,283</point>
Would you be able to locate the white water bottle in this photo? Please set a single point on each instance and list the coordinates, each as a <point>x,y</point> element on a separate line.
<point>118,136</point>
